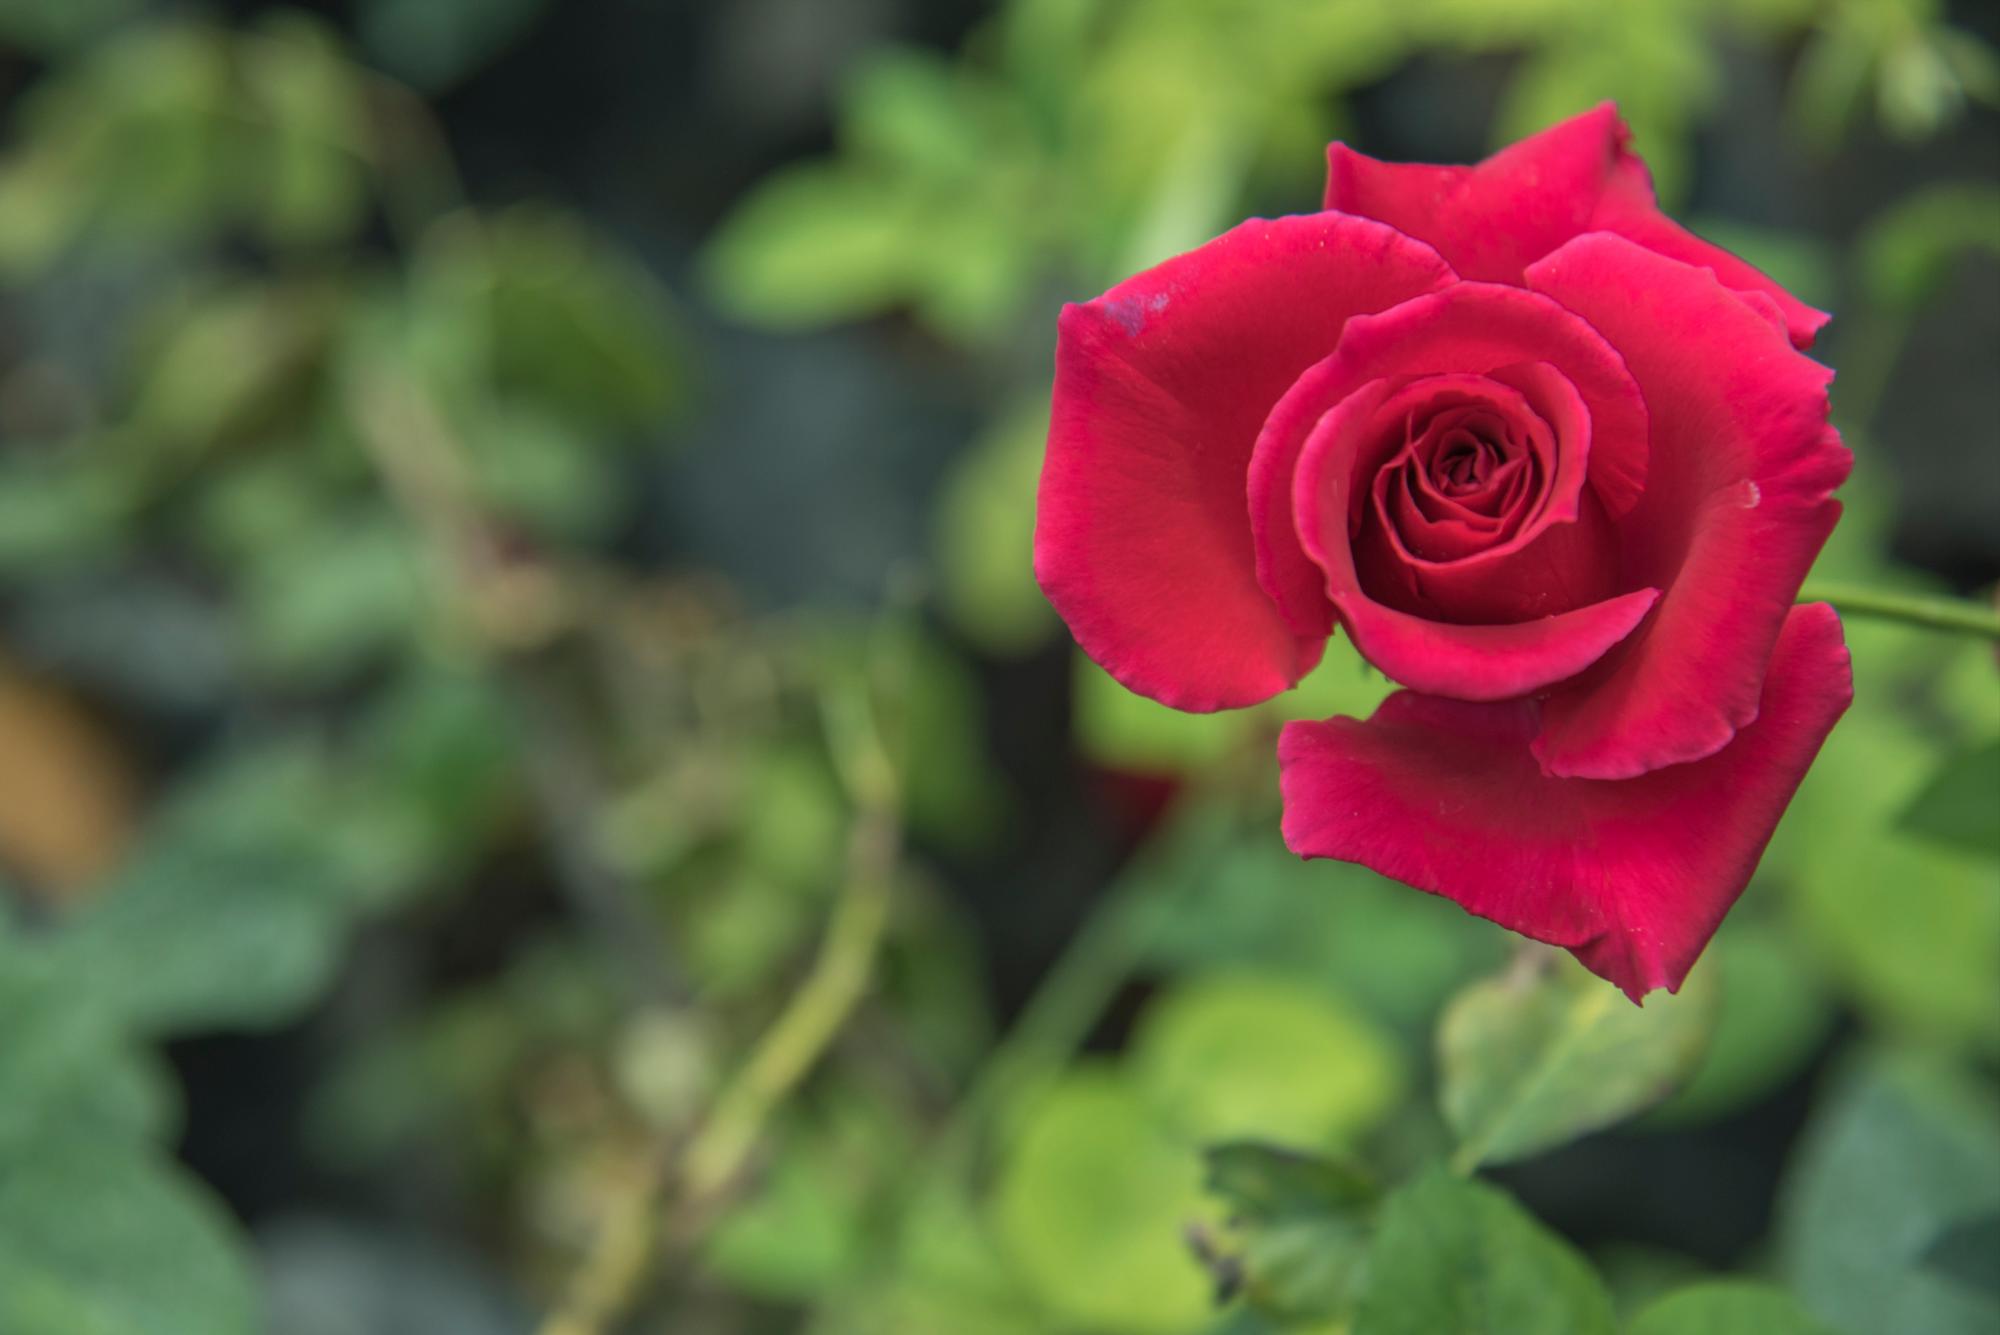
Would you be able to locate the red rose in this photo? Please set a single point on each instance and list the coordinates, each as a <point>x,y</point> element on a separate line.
<point>1556,466</point>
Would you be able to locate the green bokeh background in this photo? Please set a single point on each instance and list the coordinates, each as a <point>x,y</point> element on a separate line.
<point>514,534</point>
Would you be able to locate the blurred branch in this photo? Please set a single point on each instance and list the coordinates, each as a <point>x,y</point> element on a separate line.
<point>1958,615</point>
<point>700,1179</point>
<point>511,608</point>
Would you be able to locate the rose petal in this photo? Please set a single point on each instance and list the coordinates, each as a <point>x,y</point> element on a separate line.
<point>1633,877</point>
<point>1628,209</point>
<point>1738,503</point>
<point>1493,220</point>
<point>1466,662</point>
<point>1478,329</point>
<point>1161,385</point>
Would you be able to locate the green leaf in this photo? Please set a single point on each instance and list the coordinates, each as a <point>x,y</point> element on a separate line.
<point>948,1276</point>
<point>309,102</point>
<point>1302,1221</point>
<point>1241,1055</point>
<point>909,110</point>
<point>1960,806</point>
<point>1092,1202</point>
<point>1536,1058</point>
<point>1898,1154</point>
<point>933,722</point>
<point>228,363</point>
<point>435,43</point>
<point>539,470</point>
<point>101,1240</point>
<point>801,1231</point>
<point>1398,953</point>
<point>1457,1255</point>
<point>814,244</point>
<point>232,912</point>
<point>1305,1269</point>
<point>64,1066</point>
<point>577,324</point>
<point>1928,971</point>
<point>63,509</point>
<point>1969,1253</point>
<point>1728,1307</point>
<point>55,28</point>
<point>1259,1180</point>
<point>335,599</point>
<point>1121,729</point>
<point>1908,251</point>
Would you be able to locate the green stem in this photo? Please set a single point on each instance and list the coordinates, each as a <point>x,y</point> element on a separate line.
<point>1958,615</point>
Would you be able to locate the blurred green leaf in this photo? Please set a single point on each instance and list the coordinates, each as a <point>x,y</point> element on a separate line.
<point>802,1230</point>
<point>933,717</point>
<point>909,110</point>
<point>1091,1203</point>
<point>56,28</point>
<point>539,470</point>
<point>430,772</point>
<point>1261,1180</point>
<point>1395,951</point>
<point>949,1275</point>
<point>1457,1255</point>
<point>1920,71</point>
<point>227,362</point>
<point>229,913</point>
<point>1968,1252</point>
<point>577,324</point>
<point>1639,1275</point>
<point>1960,806</point>
<point>814,244</point>
<point>1121,729</point>
<point>1897,1154</point>
<point>1908,251</point>
<point>740,936</point>
<point>1727,1307</point>
<point>65,1068</point>
<point>1923,960</point>
<point>794,818</point>
<point>435,43</point>
<point>59,509</point>
<point>1238,1055</point>
<point>985,536</point>
<point>311,162</point>
<point>339,596</point>
<point>104,1240</point>
<point>1300,1222</point>
<point>1538,1057</point>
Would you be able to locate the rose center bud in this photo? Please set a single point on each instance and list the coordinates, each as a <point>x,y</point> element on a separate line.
<point>1464,465</point>
<point>1476,511</point>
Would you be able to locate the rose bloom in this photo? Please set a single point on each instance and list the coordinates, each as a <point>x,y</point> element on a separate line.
<point>1555,464</point>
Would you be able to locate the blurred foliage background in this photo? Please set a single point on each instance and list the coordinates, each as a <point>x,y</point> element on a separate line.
<point>536,784</point>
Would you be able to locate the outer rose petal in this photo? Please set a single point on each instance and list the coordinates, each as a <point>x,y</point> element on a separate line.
<point>1493,220</point>
<point>1627,208</point>
<point>1632,877</point>
<point>1141,540</point>
<point>1738,503</point>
